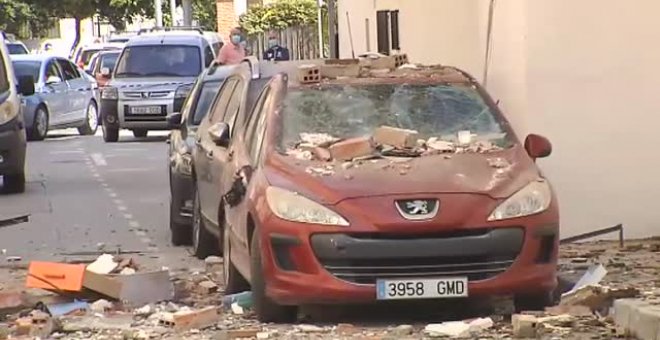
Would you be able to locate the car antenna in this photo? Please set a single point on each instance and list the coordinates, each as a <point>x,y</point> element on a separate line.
<point>350,34</point>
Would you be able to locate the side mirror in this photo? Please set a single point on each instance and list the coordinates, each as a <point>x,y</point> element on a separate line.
<point>26,85</point>
<point>105,72</point>
<point>53,80</point>
<point>88,71</point>
<point>537,146</point>
<point>174,121</point>
<point>219,134</point>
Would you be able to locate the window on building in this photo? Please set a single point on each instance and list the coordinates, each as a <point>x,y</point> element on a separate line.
<point>387,30</point>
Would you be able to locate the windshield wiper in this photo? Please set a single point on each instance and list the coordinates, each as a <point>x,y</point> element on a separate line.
<point>164,74</point>
<point>134,74</point>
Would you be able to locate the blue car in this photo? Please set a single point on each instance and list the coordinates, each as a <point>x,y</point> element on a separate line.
<point>65,97</point>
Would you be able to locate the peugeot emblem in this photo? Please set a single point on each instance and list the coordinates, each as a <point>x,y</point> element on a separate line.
<point>145,95</point>
<point>418,209</point>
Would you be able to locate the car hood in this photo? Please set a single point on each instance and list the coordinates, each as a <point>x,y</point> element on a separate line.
<point>151,84</point>
<point>496,174</point>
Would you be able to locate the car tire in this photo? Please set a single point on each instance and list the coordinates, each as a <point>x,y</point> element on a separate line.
<point>39,128</point>
<point>266,309</point>
<point>181,235</point>
<point>234,281</point>
<point>203,241</point>
<point>110,134</point>
<point>14,184</point>
<point>91,123</point>
<point>533,302</point>
<point>140,133</point>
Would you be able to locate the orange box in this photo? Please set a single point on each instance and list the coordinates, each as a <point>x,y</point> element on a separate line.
<point>55,276</point>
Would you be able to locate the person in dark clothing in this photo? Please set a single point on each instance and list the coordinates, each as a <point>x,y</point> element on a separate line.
<point>275,51</point>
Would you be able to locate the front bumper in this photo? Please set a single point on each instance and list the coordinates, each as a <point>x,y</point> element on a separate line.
<point>343,266</point>
<point>12,147</point>
<point>119,109</point>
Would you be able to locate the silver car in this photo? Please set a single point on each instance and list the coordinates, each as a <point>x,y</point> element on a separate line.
<point>65,96</point>
<point>152,77</point>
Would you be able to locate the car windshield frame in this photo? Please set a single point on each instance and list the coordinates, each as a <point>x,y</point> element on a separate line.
<point>14,47</point>
<point>36,64</point>
<point>87,54</point>
<point>102,59</point>
<point>210,89</point>
<point>194,64</point>
<point>363,110</point>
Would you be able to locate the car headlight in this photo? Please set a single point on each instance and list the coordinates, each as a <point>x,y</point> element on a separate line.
<point>532,199</point>
<point>291,206</point>
<point>110,93</point>
<point>182,91</point>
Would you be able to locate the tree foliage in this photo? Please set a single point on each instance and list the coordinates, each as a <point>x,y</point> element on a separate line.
<point>279,15</point>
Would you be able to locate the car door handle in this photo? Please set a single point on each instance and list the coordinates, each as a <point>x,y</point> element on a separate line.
<point>230,155</point>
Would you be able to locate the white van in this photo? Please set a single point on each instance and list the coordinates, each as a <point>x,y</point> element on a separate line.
<point>12,128</point>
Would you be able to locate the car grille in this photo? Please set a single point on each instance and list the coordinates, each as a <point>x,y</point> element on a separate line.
<point>367,272</point>
<point>478,256</point>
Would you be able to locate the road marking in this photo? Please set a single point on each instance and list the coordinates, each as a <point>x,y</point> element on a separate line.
<point>96,174</point>
<point>132,170</point>
<point>112,194</point>
<point>98,159</point>
<point>145,240</point>
<point>122,208</point>
<point>134,224</point>
<point>140,233</point>
<point>105,185</point>
<point>128,216</point>
<point>65,152</point>
<point>118,202</point>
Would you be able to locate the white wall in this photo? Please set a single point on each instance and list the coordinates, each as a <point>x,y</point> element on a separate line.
<point>584,73</point>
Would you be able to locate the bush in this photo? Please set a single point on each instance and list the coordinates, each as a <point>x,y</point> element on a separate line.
<point>279,15</point>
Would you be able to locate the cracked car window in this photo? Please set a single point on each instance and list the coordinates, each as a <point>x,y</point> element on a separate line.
<point>346,111</point>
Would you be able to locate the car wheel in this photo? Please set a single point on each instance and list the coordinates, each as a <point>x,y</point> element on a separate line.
<point>202,241</point>
<point>110,135</point>
<point>140,133</point>
<point>39,128</point>
<point>181,234</point>
<point>533,302</point>
<point>234,281</point>
<point>265,308</point>
<point>14,184</point>
<point>91,122</point>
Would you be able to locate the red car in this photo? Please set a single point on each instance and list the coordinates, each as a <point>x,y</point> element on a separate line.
<point>411,185</point>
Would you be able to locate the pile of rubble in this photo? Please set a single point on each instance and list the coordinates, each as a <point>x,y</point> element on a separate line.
<point>194,307</point>
<point>386,142</point>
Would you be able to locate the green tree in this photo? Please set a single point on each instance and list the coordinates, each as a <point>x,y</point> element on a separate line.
<point>279,15</point>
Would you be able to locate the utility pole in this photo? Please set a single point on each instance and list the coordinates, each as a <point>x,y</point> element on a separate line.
<point>187,12</point>
<point>332,29</point>
<point>320,19</point>
<point>173,11</point>
<point>159,13</point>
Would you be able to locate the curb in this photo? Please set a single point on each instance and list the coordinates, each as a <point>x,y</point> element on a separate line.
<point>638,318</point>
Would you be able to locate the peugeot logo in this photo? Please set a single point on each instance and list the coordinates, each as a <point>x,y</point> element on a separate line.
<point>145,95</point>
<point>418,209</point>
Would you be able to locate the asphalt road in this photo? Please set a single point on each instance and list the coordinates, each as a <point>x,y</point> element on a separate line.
<point>85,195</point>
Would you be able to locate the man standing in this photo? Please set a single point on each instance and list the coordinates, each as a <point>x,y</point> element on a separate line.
<point>275,51</point>
<point>233,52</point>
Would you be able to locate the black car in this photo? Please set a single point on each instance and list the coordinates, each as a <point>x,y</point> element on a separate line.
<point>182,141</point>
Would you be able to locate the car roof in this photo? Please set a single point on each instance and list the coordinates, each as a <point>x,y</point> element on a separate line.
<point>34,57</point>
<point>100,46</point>
<point>167,38</point>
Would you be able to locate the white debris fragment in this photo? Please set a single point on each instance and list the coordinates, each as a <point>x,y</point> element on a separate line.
<point>104,264</point>
<point>310,328</point>
<point>464,137</point>
<point>144,310</point>
<point>263,335</point>
<point>408,66</point>
<point>451,328</point>
<point>481,324</point>
<point>498,163</point>
<point>127,271</point>
<point>236,309</point>
<point>434,143</point>
<point>316,139</point>
<point>101,306</point>
<point>304,155</point>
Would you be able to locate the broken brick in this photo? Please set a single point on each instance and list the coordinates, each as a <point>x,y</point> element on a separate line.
<point>10,301</point>
<point>207,287</point>
<point>399,138</point>
<point>524,326</point>
<point>352,148</point>
<point>238,334</point>
<point>199,319</point>
<point>346,329</point>
<point>23,326</point>
<point>321,154</point>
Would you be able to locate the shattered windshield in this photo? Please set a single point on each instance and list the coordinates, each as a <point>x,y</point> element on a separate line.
<point>434,111</point>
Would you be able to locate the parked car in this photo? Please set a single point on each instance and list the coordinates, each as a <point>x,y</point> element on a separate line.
<point>17,47</point>
<point>182,141</point>
<point>83,53</point>
<point>65,96</point>
<point>152,78</point>
<point>465,214</point>
<point>12,129</point>
<point>104,65</point>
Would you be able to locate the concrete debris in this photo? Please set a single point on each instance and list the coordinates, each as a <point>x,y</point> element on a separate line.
<point>198,319</point>
<point>402,330</point>
<point>349,149</point>
<point>346,329</point>
<point>396,137</point>
<point>101,306</point>
<point>207,287</point>
<point>434,144</point>
<point>145,310</point>
<point>454,329</point>
<point>317,139</point>
<point>104,264</point>
<point>498,163</point>
<point>524,326</point>
<point>596,297</point>
<point>127,271</point>
<point>237,309</point>
<point>593,276</point>
<point>310,329</point>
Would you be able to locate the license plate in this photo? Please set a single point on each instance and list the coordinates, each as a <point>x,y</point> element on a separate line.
<point>451,287</point>
<point>145,109</point>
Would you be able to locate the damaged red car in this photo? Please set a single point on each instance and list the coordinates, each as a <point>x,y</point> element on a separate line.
<point>411,185</point>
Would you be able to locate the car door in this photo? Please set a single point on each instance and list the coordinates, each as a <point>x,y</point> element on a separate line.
<point>54,91</point>
<point>246,148</point>
<point>203,153</point>
<point>74,94</point>
<point>220,155</point>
